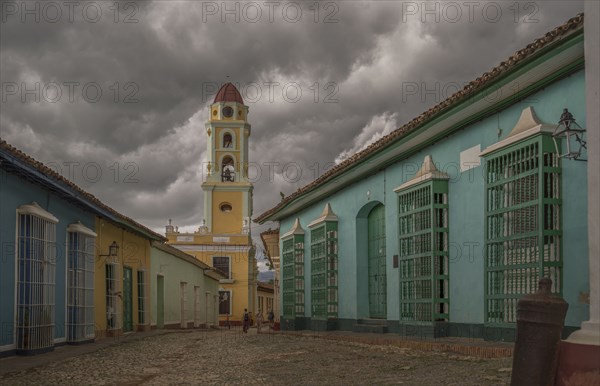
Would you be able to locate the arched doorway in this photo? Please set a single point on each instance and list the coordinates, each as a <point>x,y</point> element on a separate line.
<point>377,263</point>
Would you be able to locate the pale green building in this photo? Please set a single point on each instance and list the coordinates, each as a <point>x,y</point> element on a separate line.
<point>184,291</point>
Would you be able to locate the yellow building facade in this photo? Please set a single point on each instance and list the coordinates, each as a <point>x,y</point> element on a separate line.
<point>223,240</point>
<point>122,279</point>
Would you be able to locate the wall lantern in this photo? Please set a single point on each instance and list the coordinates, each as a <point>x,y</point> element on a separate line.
<point>572,133</point>
<point>113,250</point>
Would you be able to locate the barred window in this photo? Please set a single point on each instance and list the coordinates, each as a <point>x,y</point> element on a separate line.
<point>293,275</point>
<point>423,252</point>
<point>142,285</point>
<point>113,295</point>
<point>222,263</point>
<point>324,257</point>
<point>36,265</point>
<point>523,234</point>
<point>80,283</point>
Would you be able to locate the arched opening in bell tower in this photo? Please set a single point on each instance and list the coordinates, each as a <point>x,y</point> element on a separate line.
<point>227,141</point>
<point>227,169</point>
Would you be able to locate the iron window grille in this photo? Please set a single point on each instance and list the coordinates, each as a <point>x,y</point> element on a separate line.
<point>324,273</point>
<point>36,266</point>
<point>222,263</point>
<point>80,283</point>
<point>293,276</point>
<point>142,284</point>
<point>423,252</point>
<point>113,295</point>
<point>523,232</point>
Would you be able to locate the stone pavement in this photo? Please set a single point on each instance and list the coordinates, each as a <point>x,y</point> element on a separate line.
<point>463,346</point>
<point>231,357</point>
<point>20,363</point>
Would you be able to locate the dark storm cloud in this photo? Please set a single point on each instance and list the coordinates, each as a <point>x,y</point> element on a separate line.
<point>155,63</point>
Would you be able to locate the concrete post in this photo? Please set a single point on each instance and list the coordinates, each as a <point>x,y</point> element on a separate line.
<point>540,320</point>
<point>580,354</point>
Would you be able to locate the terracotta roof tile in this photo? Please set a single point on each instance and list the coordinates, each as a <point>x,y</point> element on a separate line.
<point>228,93</point>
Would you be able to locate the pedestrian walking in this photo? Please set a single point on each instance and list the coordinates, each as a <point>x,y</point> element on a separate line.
<point>259,319</point>
<point>246,320</point>
<point>271,319</point>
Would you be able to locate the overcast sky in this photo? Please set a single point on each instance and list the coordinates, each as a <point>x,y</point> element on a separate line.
<point>115,96</point>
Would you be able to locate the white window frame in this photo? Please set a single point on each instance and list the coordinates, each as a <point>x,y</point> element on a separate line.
<point>40,334</point>
<point>80,284</point>
<point>230,298</point>
<point>229,278</point>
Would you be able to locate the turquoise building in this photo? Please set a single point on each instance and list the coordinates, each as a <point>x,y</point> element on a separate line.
<point>438,228</point>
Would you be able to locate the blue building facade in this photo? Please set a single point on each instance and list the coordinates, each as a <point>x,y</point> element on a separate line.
<point>42,300</point>
<point>441,226</point>
<point>50,255</point>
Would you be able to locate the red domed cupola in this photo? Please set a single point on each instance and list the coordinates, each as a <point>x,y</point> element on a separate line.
<point>228,93</point>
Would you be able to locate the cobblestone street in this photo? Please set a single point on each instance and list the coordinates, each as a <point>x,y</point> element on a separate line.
<point>231,357</point>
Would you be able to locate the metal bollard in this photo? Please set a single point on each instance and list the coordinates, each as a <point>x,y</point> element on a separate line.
<point>540,321</point>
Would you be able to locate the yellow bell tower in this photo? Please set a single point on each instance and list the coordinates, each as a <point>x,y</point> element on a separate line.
<point>223,240</point>
<point>227,190</point>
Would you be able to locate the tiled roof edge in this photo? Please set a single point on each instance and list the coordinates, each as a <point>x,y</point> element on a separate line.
<point>83,195</point>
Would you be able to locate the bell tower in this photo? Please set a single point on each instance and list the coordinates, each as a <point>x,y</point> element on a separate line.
<point>223,240</point>
<point>227,190</point>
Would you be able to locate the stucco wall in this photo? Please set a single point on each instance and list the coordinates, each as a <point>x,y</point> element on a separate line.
<point>134,252</point>
<point>175,271</point>
<point>15,192</point>
<point>466,215</point>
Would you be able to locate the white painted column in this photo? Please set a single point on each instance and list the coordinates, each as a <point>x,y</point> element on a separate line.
<point>590,330</point>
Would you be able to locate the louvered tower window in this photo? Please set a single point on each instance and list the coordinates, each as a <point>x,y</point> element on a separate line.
<point>36,266</point>
<point>324,265</point>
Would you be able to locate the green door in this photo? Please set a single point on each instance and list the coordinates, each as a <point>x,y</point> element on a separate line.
<point>127,300</point>
<point>377,266</point>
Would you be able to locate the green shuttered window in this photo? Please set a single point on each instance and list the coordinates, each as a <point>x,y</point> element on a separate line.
<point>293,276</point>
<point>523,225</point>
<point>423,252</point>
<point>324,278</point>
